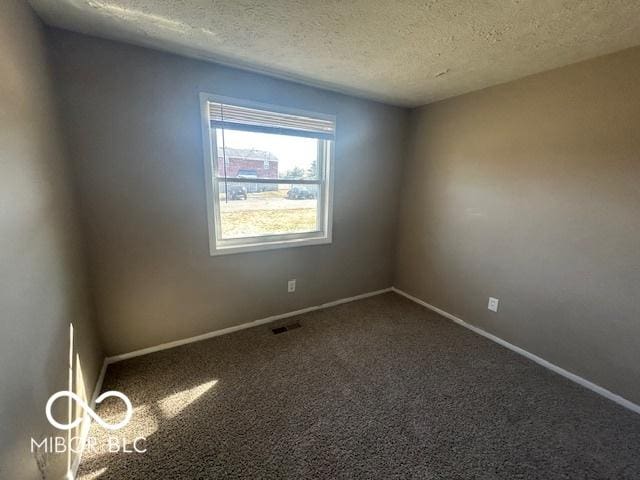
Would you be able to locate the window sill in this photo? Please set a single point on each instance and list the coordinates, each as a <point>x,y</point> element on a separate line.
<point>219,249</point>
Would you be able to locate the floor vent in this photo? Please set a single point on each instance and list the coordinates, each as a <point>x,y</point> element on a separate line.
<point>286,328</point>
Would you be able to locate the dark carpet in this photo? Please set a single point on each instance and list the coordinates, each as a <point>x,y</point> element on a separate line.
<point>378,388</point>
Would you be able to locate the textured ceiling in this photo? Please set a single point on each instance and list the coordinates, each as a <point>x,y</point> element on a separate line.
<point>405,52</point>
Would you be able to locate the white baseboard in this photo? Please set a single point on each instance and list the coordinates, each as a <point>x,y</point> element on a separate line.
<point>71,474</point>
<point>224,331</point>
<point>540,361</point>
<point>99,381</point>
<point>571,376</point>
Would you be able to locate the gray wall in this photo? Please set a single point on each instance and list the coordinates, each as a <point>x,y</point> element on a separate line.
<point>42,281</point>
<point>530,192</point>
<point>133,120</point>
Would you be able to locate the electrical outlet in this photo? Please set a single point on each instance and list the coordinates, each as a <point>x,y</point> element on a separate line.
<point>291,286</point>
<point>493,304</point>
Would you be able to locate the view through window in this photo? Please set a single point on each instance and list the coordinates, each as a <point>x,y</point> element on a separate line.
<point>256,209</point>
<point>270,172</point>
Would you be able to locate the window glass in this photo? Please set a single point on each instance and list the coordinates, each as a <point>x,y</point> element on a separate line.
<point>270,176</point>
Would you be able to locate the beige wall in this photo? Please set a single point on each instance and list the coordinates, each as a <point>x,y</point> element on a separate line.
<point>42,279</point>
<point>530,192</point>
<point>133,120</point>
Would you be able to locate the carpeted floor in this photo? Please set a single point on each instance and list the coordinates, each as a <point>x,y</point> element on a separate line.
<point>379,388</point>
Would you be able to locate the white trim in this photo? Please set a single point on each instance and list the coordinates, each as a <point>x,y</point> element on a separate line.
<point>208,167</point>
<point>303,241</point>
<point>86,422</point>
<point>73,471</point>
<point>221,246</point>
<point>224,331</point>
<point>540,361</point>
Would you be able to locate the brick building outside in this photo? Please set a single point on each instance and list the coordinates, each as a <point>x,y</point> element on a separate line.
<point>249,163</point>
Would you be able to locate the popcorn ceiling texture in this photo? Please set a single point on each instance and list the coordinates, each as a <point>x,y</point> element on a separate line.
<point>381,388</point>
<point>391,51</point>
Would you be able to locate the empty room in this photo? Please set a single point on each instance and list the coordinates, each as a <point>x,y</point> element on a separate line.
<point>296,239</point>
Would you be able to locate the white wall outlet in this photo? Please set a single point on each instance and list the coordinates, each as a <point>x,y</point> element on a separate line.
<point>493,304</point>
<point>291,286</point>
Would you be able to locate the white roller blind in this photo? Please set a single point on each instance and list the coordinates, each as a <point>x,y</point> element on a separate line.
<point>257,120</point>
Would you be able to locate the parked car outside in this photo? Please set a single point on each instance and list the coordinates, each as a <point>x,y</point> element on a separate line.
<point>236,192</point>
<point>300,193</point>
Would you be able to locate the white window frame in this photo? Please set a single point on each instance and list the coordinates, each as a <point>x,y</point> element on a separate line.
<point>223,246</point>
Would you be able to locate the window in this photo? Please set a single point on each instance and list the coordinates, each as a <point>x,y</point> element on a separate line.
<point>269,175</point>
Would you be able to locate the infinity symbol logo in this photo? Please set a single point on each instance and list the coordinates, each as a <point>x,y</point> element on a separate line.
<point>89,410</point>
